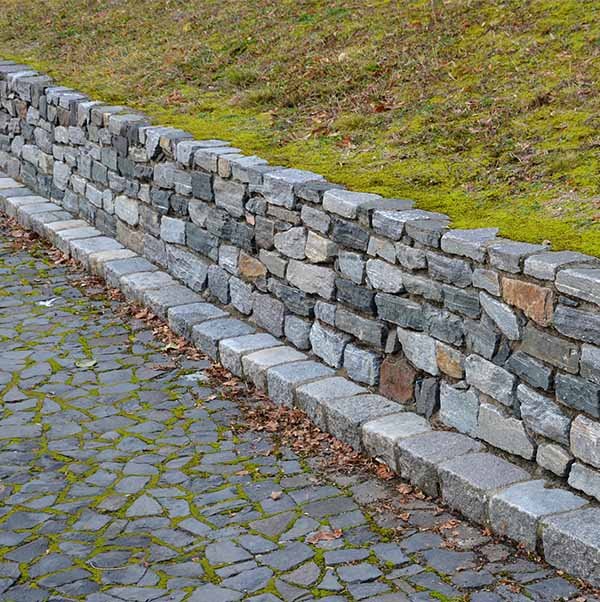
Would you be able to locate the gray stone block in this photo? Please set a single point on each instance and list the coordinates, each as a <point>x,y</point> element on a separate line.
<point>315,219</point>
<point>345,416</point>
<point>291,243</point>
<point>172,230</point>
<point>351,266</point>
<point>465,302</point>
<point>183,318</point>
<point>504,432</point>
<point>391,224</point>
<point>114,270</point>
<point>27,213</point>
<point>273,262</point>
<point>571,542</point>
<point>545,265</point>
<point>384,277</point>
<point>218,283</point>
<point>280,184</point>
<point>583,283</point>
<point>554,458</point>
<point>403,312</point>
<point>368,331</point>
<point>325,312</point>
<point>255,365</point>
<point>39,221</point>
<point>490,379</point>
<point>80,250</point>
<point>590,363</point>
<point>517,511</point>
<point>350,235</point>
<point>459,408</point>
<point>469,481</point>
<point>268,313</point>
<point>427,396</point>
<point>505,319</point>
<point>328,344</point>
<point>229,195</point>
<point>356,297</point>
<point>135,285</point>
<point>586,479</point>
<point>162,299</point>
<point>187,267</point>
<point>297,331</point>
<point>312,397</point>
<point>311,279</point>
<point>418,457</point>
<point>231,351</point>
<point>380,247</point>
<point>319,249</point>
<point>469,243</point>
<point>585,440</point>
<point>241,295</point>
<point>381,436</point>
<point>543,416</point>
<point>509,256</point>
<point>550,349</point>
<point>529,370</point>
<point>423,287</point>
<point>64,237</point>
<point>419,349</point>
<point>99,259</point>
<point>345,202</point>
<point>282,380</point>
<point>206,336</point>
<point>488,280</point>
<point>577,324</point>
<point>411,257</point>
<point>578,393</point>
<point>362,365</point>
<point>449,270</point>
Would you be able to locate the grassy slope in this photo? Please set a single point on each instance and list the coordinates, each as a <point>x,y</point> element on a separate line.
<point>486,110</point>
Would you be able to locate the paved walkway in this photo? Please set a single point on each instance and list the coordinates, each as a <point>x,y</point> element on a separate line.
<point>121,479</point>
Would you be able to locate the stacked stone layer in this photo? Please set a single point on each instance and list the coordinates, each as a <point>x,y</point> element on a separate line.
<point>496,339</point>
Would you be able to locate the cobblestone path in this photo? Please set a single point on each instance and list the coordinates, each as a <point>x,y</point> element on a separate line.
<point>121,479</point>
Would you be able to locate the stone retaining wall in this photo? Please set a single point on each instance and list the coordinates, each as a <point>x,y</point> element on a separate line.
<point>497,339</point>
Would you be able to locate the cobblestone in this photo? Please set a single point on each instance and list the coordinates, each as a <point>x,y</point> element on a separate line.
<point>121,477</point>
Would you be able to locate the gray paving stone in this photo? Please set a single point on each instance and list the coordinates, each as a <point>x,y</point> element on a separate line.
<point>162,299</point>
<point>257,364</point>
<point>183,318</point>
<point>206,336</point>
<point>231,351</point>
<point>282,380</point>
<point>135,285</point>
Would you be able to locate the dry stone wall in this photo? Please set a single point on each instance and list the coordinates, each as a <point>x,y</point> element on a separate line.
<point>495,338</point>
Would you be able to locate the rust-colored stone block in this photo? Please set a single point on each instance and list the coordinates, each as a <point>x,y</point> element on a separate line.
<point>535,301</point>
<point>397,379</point>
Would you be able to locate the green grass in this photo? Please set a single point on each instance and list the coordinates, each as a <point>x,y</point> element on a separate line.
<point>486,110</point>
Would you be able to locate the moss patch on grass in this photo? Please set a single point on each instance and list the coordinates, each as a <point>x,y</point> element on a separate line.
<point>488,111</point>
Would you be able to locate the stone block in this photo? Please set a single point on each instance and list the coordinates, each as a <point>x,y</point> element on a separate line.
<point>487,280</point>
<point>325,312</point>
<point>268,313</point>
<point>582,283</point>
<point>422,287</point>
<point>135,285</point>
<point>160,300</point>
<point>509,256</point>
<point>450,361</point>
<point>256,364</point>
<point>291,243</point>
<point>391,224</point>
<point>231,351</point>
<point>98,259</point>
<point>367,331</point>
<point>127,209</point>
<point>201,241</point>
<point>218,283</point>
<point>444,325</point>
<point>273,262</point>
<point>315,219</point>
<point>411,258</point>
<point>504,318</point>
<point>356,297</point>
<point>490,379</point>
<point>297,331</point>
<point>206,335</point>
<point>282,380</point>
<point>362,365</point>
<point>578,393</point>
<point>280,184</point>
<point>544,266</point>
<point>571,542</point>
<point>172,230</point>
<point>401,311</point>
<point>577,324</point>
<point>460,301</point>
<point>345,202</point>
<point>229,195</point>
<point>384,277</point>
<point>319,249</point>
<point>241,295</point>
<point>345,416</point>
<point>469,481</point>
<point>529,370</point>
<point>312,397</point>
<point>228,258</point>
<point>380,247</point>
<point>183,318</point>
<point>459,408</point>
<point>516,512</point>
<point>590,363</point>
<point>62,238</point>
<point>554,458</point>
<point>550,349</point>
<point>349,235</point>
<point>420,350</point>
<point>312,279</point>
<point>328,344</point>
<point>28,212</point>
<point>449,270</point>
<point>503,431</point>
<point>80,250</point>
<point>187,267</point>
<point>294,299</point>
<point>535,301</point>
<point>351,266</point>
<point>426,232</point>
<point>397,379</point>
<point>114,270</point>
<point>542,415</point>
<point>469,243</point>
<point>418,457</point>
<point>427,396</point>
<point>381,436</point>
<point>585,478</point>
<point>585,440</point>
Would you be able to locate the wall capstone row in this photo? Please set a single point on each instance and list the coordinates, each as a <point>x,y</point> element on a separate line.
<point>495,338</point>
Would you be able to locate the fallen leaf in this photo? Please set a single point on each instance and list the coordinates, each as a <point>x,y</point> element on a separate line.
<point>327,535</point>
<point>85,363</point>
<point>276,495</point>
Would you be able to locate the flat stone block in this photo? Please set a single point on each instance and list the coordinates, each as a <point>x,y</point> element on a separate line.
<point>585,478</point>
<point>51,230</point>
<point>160,300</point>
<point>116,269</point>
<point>98,259</point>
<point>184,317</point>
<point>572,542</point>
<point>380,437</point>
<point>256,364</point>
<point>418,457</point>
<point>81,249</point>
<point>583,283</point>
<point>231,351</point>
<point>64,237</point>
<point>311,397</point>
<point>26,213</point>
<point>469,481</point>
<point>346,415</point>
<point>206,336</point>
<point>283,380</point>
<point>12,204</point>
<point>516,511</point>
<point>40,220</point>
<point>135,285</point>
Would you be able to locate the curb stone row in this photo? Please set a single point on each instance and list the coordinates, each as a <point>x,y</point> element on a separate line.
<point>483,487</point>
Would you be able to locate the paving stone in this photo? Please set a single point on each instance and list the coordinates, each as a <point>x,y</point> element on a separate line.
<point>231,351</point>
<point>207,335</point>
<point>282,380</point>
<point>257,364</point>
<point>183,318</point>
<point>162,299</point>
<point>468,482</point>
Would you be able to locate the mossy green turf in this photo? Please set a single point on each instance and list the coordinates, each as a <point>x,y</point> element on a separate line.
<point>485,110</point>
